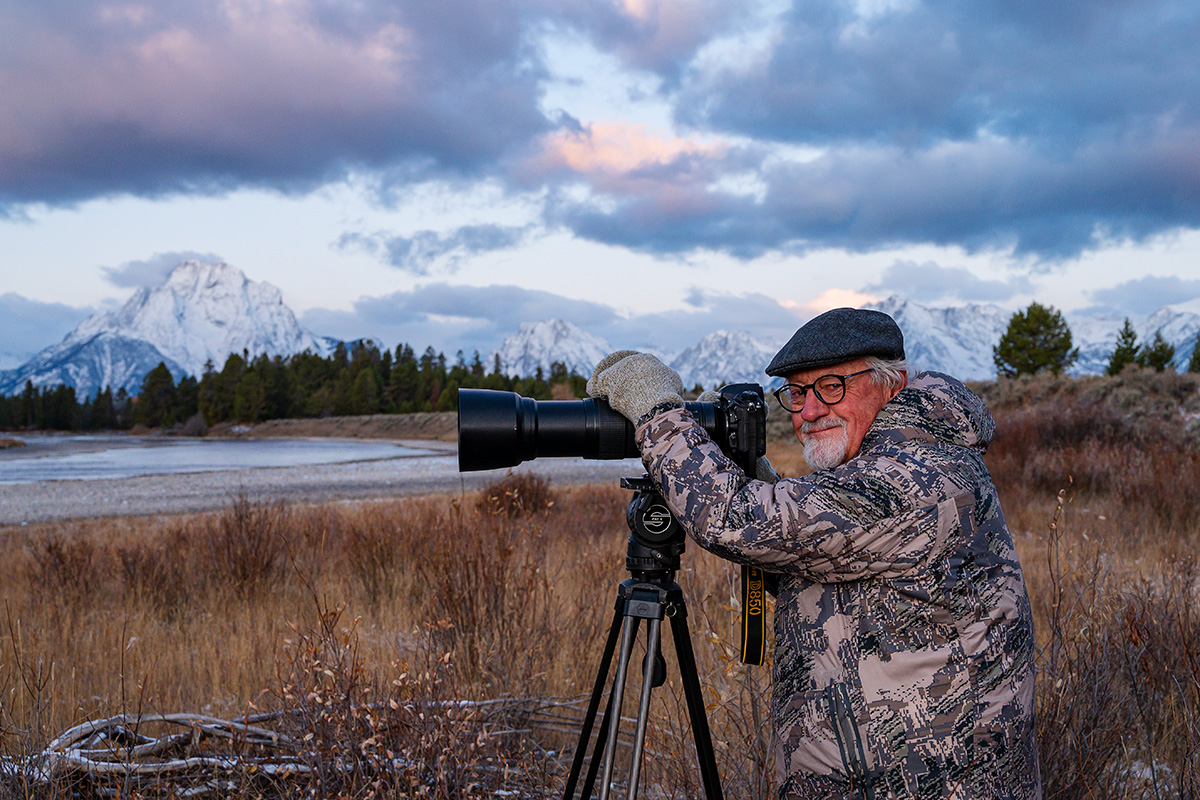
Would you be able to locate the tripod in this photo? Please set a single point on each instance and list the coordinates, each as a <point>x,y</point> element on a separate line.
<point>655,544</point>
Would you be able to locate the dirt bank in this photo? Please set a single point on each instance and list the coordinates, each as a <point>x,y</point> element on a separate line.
<point>441,426</point>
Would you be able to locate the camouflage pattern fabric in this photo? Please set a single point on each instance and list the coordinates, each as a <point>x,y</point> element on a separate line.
<point>904,650</point>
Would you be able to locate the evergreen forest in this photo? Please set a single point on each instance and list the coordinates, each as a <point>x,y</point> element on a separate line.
<point>357,378</point>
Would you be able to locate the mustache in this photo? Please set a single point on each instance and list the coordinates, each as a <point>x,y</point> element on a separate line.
<point>823,424</point>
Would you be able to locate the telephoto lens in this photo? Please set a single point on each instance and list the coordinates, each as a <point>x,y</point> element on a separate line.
<point>503,429</point>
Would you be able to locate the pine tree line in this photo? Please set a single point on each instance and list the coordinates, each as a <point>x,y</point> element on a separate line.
<point>353,380</point>
<point>58,409</point>
<point>1038,338</point>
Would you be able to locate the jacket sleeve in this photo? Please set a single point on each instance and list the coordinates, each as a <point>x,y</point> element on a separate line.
<point>876,515</point>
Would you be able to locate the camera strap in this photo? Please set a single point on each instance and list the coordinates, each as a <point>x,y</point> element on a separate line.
<point>754,615</point>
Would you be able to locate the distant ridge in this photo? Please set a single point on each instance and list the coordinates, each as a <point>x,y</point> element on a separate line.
<point>957,340</point>
<point>201,313</point>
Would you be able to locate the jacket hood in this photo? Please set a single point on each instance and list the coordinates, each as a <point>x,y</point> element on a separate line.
<point>936,408</point>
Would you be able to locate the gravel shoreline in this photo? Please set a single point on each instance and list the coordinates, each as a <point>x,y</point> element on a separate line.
<point>48,501</point>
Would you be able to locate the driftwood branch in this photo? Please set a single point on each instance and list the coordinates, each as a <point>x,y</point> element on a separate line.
<point>197,754</point>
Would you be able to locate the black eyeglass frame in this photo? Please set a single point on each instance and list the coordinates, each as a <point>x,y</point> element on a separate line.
<point>805,388</point>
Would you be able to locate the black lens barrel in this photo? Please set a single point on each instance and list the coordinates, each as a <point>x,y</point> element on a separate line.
<point>503,429</point>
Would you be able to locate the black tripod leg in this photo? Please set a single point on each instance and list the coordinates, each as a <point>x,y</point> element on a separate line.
<point>695,703</point>
<point>589,718</point>
<point>628,634</point>
<point>589,782</point>
<point>653,636</point>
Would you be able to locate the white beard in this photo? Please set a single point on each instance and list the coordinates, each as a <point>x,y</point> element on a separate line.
<point>828,450</point>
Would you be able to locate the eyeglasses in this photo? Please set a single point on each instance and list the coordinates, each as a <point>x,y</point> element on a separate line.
<point>829,389</point>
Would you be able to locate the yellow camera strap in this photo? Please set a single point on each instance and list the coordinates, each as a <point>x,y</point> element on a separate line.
<point>754,615</point>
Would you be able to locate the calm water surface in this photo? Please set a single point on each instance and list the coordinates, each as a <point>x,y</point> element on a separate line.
<point>58,458</point>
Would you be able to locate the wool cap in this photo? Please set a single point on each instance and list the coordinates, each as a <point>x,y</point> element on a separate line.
<point>842,334</point>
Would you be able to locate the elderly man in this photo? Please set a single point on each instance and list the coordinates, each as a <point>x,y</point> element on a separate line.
<point>903,663</point>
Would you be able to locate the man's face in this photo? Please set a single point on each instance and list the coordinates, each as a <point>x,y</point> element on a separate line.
<point>832,434</point>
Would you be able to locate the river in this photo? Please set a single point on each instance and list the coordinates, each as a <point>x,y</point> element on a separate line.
<point>59,476</point>
<point>58,457</point>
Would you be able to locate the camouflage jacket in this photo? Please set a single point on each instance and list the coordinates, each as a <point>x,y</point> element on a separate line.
<point>903,663</point>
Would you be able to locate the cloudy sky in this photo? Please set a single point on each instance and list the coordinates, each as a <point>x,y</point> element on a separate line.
<point>652,170</point>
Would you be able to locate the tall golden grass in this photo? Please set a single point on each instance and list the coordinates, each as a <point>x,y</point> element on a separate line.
<point>362,620</point>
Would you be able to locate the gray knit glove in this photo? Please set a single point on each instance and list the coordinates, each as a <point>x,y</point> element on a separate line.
<point>762,468</point>
<point>635,383</point>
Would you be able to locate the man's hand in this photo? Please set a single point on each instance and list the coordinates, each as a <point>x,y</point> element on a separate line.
<point>634,383</point>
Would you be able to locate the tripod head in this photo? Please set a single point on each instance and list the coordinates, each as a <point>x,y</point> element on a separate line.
<point>656,539</point>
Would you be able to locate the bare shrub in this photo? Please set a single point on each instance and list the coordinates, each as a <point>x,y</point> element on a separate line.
<point>69,570</point>
<point>403,732</point>
<point>161,572</point>
<point>383,548</point>
<point>488,596</point>
<point>1080,703</point>
<point>516,494</point>
<point>246,544</point>
<point>374,557</point>
<point>194,426</point>
<point>1160,628</point>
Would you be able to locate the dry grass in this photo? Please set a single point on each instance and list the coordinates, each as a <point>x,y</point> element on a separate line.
<point>363,621</point>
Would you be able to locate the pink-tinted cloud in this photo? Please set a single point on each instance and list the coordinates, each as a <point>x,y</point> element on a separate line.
<point>617,147</point>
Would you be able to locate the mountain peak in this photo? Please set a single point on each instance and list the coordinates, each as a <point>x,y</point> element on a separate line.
<point>196,274</point>
<point>723,357</point>
<point>202,312</point>
<point>540,344</point>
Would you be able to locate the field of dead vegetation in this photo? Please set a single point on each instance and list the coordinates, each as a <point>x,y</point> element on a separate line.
<point>440,646</point>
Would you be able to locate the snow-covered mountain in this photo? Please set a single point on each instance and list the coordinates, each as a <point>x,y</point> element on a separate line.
<point>724,357</point>
<point>89,365</point>
<point>956,340</point>
<point>540,344</point>
<point>202,313</point>
<point>1180,325</point>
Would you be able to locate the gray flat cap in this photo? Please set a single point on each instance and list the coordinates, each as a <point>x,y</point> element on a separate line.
<point>842,334</point>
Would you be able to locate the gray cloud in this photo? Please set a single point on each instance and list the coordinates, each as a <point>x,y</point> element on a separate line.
<point>28,326</point>
<point>202,97</point>
<point>1148,294</point>
<point>419,254</point>
<point>979,195</point>
<point>923,72</point>
<point>928,282</point>
<point>663,40</point>
<point>987,125</point>
<point>452,318</point>
<point>469,318</point>
<point>154,270</point>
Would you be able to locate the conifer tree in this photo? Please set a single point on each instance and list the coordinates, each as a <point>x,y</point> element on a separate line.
<point>402,385</point>
<point>1037,338</point>
<point>156,401</point>
<point>1158,354</point>
<point>1126,351</point>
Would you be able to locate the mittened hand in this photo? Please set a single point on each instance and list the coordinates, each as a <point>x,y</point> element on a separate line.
<point>635,383</point>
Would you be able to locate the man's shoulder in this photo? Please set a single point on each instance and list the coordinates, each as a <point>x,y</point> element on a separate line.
<point>934,408</point>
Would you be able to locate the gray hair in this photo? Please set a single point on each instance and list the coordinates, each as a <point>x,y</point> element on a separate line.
<point>888,372</point>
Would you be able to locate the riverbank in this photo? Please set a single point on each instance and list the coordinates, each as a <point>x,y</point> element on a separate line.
<point>436,472</point>
<point>440,426</point>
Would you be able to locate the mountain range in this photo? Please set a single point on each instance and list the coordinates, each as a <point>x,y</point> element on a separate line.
<point>204,312</point>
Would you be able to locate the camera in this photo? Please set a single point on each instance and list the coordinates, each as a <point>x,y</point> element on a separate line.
<point>503,429</point>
